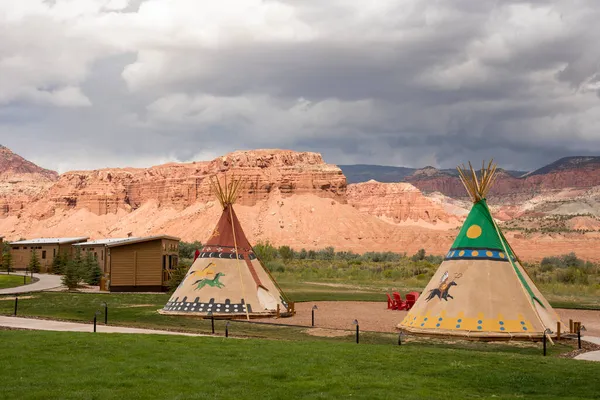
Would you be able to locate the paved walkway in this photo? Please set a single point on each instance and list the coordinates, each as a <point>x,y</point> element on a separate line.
<point>45,282</point>
<point>590,355</point>
<point>50,325</point>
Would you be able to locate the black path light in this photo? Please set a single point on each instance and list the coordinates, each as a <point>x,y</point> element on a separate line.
<point>547,331</point>
<point>95,318</point>
<point>313,314</point>
<point>24,279</point>
<point>227,329</point>
<point>105,312</point>
<point>581,328</point>
<point>355,322</point>
<point>212,321</point>
<point>16,303</point>
<point>400,338</point>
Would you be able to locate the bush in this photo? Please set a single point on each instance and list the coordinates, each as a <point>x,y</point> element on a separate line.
<point>286,253</point>
<point>187,250</point>
<point>419,255</point>
<point>265,251</point>
<point>177,276</point>
<point>275,266</point>
<point>303,254</point>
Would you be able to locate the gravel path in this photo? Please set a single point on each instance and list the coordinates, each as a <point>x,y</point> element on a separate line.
<point>374,316</point>
<point>45,282</point>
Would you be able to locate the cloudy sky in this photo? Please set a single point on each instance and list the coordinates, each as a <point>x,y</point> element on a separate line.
<point>106,83</point>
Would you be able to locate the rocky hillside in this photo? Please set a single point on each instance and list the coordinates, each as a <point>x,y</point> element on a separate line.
<point>12,164</point>
<point>20,180</point>
<point>397,203</point>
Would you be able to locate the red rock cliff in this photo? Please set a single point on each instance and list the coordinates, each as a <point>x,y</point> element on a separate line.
<point>395,202</point>
<point>181,185</point>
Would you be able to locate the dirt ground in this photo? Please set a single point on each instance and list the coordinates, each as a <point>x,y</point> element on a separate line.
<point>374,316</point>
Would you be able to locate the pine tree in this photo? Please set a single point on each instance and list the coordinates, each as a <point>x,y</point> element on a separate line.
<point>7,262</point>
<point>93,271</point>
<point>73,271</point>
<point>34,263</point>
<point>70,276</point>
<point>58,264</point>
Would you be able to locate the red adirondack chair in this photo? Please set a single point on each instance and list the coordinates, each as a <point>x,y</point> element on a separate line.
<point>411,298</point>
<point>398,298</point>
<point>392,305</point>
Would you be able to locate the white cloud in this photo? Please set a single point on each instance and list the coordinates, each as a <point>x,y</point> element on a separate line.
<point>389,80</point>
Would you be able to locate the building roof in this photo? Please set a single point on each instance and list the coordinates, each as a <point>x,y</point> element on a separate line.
<point>140,240</point>
<point>102,242</point>
<point>67,240</point>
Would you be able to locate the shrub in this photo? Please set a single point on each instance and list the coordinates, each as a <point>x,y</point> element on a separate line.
<point>302,254</point>
<point>187,250</point>
<point>275,266</point>
<point>419,255</point>
<point>286,253</point>
<point>265,251</point>
<point>177,276</point>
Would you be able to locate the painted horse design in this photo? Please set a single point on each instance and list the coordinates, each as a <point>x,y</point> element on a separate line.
<point>442,290</point>
<point>214,282</point>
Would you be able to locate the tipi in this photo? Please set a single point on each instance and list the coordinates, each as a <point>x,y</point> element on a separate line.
<point>227,279</point>
<point>481,289</point>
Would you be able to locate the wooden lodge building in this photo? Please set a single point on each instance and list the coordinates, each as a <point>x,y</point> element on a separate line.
<point>136,264</point>
<point>45,248</point>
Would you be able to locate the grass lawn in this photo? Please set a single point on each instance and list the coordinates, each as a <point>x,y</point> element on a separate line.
<point>140,311</point>
<point>9,281</point>
<point>57,365</point>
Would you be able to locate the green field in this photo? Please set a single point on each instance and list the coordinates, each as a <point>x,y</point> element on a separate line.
<point>10,281</point>
<point>53,365</point>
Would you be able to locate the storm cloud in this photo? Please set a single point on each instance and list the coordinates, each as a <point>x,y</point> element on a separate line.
<point>107,83</point>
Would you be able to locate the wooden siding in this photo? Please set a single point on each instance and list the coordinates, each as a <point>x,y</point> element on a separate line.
<point>100,253</point>
<point>21,255</point>
<point>138,264</point>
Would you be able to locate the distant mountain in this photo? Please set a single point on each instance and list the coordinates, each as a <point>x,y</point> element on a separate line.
<point>11,163</point>
<point>363,173</point>
<point>357,173</point>
<point>568,163</point>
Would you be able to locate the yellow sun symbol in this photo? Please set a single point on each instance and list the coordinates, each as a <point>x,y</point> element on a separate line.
<point>474,232</point>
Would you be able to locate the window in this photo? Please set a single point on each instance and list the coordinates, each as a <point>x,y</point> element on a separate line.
<point>95,256</point>
<point>43,254</point>
<point>53,252</point>
<point>102,255</point>
<point>15,248</point>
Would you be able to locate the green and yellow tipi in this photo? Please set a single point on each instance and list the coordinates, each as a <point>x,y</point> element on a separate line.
<point>481,289</point>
